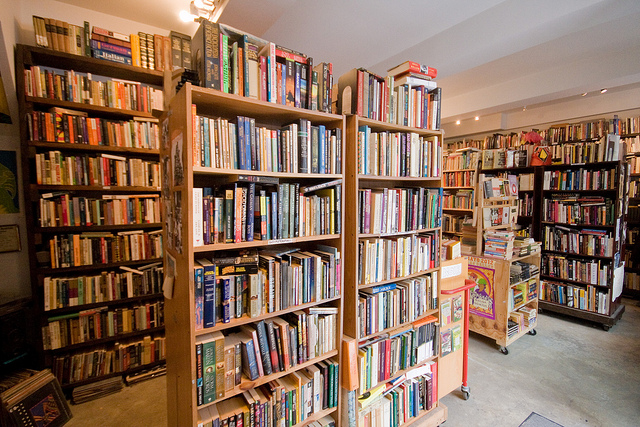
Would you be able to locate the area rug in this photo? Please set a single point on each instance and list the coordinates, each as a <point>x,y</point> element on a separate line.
<point>537,420</point>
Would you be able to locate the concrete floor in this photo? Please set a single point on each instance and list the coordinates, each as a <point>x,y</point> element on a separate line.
<point>571,372</point>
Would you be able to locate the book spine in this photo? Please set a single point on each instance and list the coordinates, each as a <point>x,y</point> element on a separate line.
<point>209,304</point>
<point>110,56</point>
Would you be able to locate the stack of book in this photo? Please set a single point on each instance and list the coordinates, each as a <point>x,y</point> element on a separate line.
<point>499,244</point>
<point>512,328</point>
<point>530,316</point>
<point>523,245</point>
<point>88,392</point>
<point>520,271</point>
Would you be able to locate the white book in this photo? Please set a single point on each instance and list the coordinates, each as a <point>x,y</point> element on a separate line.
<point>198,225</point>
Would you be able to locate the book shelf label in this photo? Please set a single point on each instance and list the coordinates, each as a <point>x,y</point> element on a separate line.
<point>280,241</point>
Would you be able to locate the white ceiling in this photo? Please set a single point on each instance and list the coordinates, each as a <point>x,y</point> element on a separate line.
<point>491,55</point>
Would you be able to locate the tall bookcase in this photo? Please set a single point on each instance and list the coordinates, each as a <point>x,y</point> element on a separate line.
<point>583,228</point>
<point>631,139</point>
<point>393,202</point>
<point>183,250</point>
<point>91,183</point>
<point>459,184</point>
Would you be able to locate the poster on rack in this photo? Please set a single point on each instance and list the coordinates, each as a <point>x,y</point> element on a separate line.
<point>482,299</point>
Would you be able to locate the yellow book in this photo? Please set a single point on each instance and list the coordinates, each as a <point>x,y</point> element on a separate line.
<point>135,50</point>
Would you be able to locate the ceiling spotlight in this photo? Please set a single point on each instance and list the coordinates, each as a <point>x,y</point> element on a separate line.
<point>186,16</point>
<point>603,90</point>
<point>477,118</point>
<point>584,94</point>
<point>457,122</point>
<point>524,108</point>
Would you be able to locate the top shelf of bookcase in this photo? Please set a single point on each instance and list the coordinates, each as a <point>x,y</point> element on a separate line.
<point>50,58</point>
<point>379,126</point>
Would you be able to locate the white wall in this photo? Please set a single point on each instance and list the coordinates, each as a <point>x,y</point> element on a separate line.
<point>17,27</point>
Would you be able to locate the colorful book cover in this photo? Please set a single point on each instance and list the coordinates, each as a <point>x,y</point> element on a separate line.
<point>445,312</point>
<point>456,303</point>
<point>446,345</point>
<point>456,338</point>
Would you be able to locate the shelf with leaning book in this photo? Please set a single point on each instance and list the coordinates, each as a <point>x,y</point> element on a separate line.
<point>92,184</point>
<point>261,245</point>
<point>392,259</point>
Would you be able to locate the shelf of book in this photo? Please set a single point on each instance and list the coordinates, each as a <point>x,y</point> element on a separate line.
<point>41,75</point>
<point>184,336</point>
<point>366,197</point>
<point>129,371</point>
<point>607,321</point>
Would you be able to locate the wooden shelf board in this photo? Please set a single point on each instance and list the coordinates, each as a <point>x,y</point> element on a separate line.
<point>117,302</point>
<point>316,416</point>
<point>520,334</point>
<point>459,188</point>
<point>399,233</point>
<point>246,319</point>
<point>98,148</point>
<point>377,124</point>
<point>574,282</point>
<point>112,374</point>
<point>400,326</point>
<point>120,337</point>
<point>522,304</point>
<point>364,177</point>
<point>576,225</point>
<point>247,384</point>
<point>89,108</point>
<point>83,228</point>
<point>602,190</point>
<point>101,188</point>
<point>457,233</point>
<point>431,418</point>
<point>570,254</point>
<point>399,373</point>
<point>574,165</point>
<point>94,267</point>
<point>397,279</point>
<point>535,276</point>
<point>211,101</point>
<point>458,170</point>
<point>262,243</point>
<point>522,257</point>
<point>217,171</point>
<point>603,319</point>
<point>458,209</point>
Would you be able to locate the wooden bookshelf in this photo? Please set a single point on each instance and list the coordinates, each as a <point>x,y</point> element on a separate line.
<point>632,245</point>
<point>357,184</point>
<point>40,236</point>
<point>182,333</point>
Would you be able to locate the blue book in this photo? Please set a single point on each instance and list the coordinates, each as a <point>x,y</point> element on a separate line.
<point>274,216</point>
<point>265,352</point>
<point>109,47</point>
<point>383,288</point>
<point>249,363</point>
<point>283,80</point>
<point>207,143</point>
<point>208,293</point>
<point>322,149</point>
<point>225,284</point>
<point>199,295</point>
<point>247,144</point>
<point>242,156</point>
<point>110,56</point>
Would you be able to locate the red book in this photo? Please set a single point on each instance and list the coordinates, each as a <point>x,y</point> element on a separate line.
<point>413,67</point>
<point>263,78</point>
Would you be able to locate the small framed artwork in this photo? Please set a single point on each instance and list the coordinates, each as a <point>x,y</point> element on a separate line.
<point>9,238</point>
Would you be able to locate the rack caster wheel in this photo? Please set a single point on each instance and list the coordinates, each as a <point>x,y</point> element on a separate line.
<point>606,328</point>
<point>532,332</point>
<point>504,350</point>
<point>465,392</point>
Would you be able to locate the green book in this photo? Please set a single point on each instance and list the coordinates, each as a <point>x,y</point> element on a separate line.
<point>209,369</point>
<point>224,52</point>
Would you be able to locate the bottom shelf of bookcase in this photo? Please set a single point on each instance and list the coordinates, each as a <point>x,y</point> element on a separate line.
<point>509,340</point>
<point>602,319</point>
<point>432,418</point>
<point>69,386</point>
<point>317,415</point>
<point>631,293</point>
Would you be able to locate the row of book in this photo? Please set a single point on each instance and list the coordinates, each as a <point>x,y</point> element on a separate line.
<point>392,305</point>
<point>94,324</point>
<point>632,143</point>
<point>520,320</point>
<point>105,360</point>
<point>519,271</point>
<point>504,158</point>
<point>400,401</point>
<point>634,165</point>
<point>299,147</point>
<point>387,259</point>
<point>634,188</point>
<point>579,210</point>
<point>61,292</point>
<point>285,401</point>
<point>581,179</point>
<point>606,149</point>
<point>381,358</point>
<point>75,127</point>
<point>499,244</point>
<point>85,88</point>
<point>408,98</point>
<point>151,51</point>
<point>588,242</point>
<point>397,210</point>
<point>524,244</point>
<point>398,154</point>
<point>581,131</point>
<point>498,188</point>
<point>633,214</point>
<point>239,285</point>
<point>246,212</point>
<point>242,64</point>
<point>461,199</point>
<point>632,280</point>
<point>630,125</point>
<point>91,248</point>
<point>522,293</point>
<point>61,209</point>
<point>459,179</point>
<point>499,216</point>
<point>525,205</point>
<point>453,223</point>
<point>594,272</point>
<point>461,159</point>
<point>589,298</point>
<point>55,168</point>
<point>266,348</point>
